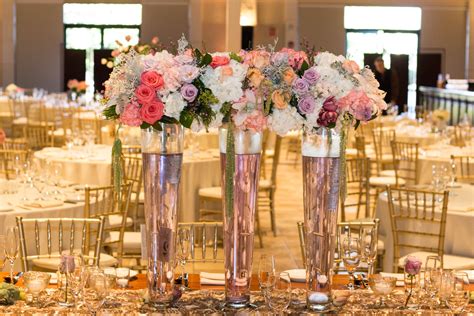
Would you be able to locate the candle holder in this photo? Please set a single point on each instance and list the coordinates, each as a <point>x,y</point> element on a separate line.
<point>35,283</point>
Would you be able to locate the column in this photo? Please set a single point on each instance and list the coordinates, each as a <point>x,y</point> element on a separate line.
<point>7,39</point>
<point>291,24</point>
<point>195,23</point>
<point>233,31</point>
<point>470,41</point>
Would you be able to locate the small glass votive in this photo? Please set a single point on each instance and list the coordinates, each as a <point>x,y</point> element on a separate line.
<point>111,275</point>
<point>123,275</point>
<point>35,283</point>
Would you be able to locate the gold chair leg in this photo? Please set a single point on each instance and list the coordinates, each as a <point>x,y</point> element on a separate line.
<point>272,212</point>
<point>259,230</point>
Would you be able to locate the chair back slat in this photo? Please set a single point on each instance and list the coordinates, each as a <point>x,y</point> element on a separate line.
<point>405,161</point>
<point>357,178</point>
<point>48,233</point>
<point>61,248</point>
<point>37,237</point>
<point>464,168</point>
<point>203,242</point>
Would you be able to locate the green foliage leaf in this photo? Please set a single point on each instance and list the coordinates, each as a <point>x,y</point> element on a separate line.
<point>357,123</point>
<point>235,57</point>
<point>145,125</point>
<point>205,60</point>
<point>186,119</point>
<point>304,66</point>
<point>110,113</point>
<point>157,126</point>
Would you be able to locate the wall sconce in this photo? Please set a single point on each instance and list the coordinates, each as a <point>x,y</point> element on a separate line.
<point>248,12</point>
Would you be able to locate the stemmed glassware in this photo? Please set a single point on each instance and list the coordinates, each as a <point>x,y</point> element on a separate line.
<point>432,279</point>
<point>266,274</point>
<point>458,297</point>
<point>351,255</point>
<point>184,238</point>
<point>77,279</point>
<point>279,295</point>
<point>11,247</point>
<point>369,248</point>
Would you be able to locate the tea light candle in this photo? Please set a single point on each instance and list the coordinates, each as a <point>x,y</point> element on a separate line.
<point>35,286</point>
<point>122,282</point>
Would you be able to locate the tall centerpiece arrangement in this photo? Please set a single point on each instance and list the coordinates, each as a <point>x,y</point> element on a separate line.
<point>323,94</point>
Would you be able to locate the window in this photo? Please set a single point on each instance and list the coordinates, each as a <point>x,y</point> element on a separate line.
<point>96,28</point>
<point>382,18</point>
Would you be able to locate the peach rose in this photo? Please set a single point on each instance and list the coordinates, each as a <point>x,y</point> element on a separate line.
<point>255,77</point>
<point>351,66</point>
<point>226,71</point>
<point>289,75</point>
<point>219,61</point>
<point>280,99</point>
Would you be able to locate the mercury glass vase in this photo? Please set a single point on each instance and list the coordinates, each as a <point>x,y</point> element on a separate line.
<point>162,159</point>
<point>239,222</point>
<point>321,155</point>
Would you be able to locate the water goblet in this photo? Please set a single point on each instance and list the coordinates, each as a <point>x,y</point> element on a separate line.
<point>11,248</point>
<point>458,298</point>
<point>100,285</point>
<point>266,274</point>
<point>445,287</point>
<point>369,248</point>
<point>184,237</point>
<point>351,255</point>
<point>279,296</point>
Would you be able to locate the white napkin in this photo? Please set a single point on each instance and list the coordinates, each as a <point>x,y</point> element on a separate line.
<point>44,204</point>
<point>207,278</point>
<point>470,275</point>
<point>400,277</point>
<point>297,275</point>
<point>54,278</point>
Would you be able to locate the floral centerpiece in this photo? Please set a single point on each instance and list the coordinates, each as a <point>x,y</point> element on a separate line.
<point>412,270</point>
<point>77,87</point>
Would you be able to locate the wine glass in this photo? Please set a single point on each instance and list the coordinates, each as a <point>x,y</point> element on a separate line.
<point>432,278</point>
<point>17,166</point>
<point>11,247</point>
<point>458,298</point>
<point>279,295</point>
<point>184,237</point>
<point>100,285</point>
<point>266,274</point>
<point>77,279</point>
<point>56,174</point>
<point>446,284</point>
<point>351,255</point>
<point>452,175</point>
<point>369,248</point>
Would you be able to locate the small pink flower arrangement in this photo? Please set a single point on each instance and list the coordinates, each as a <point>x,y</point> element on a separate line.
<point>76,86</point>
<point>412,269</point>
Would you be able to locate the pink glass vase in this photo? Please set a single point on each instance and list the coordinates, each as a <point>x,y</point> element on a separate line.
<point>162,159</point>
<point>239,222</point>
<point>321,196</point>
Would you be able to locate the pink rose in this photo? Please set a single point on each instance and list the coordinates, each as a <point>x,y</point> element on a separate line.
<point>358,104</point>
<point>67,264</point>
<point>152,79</point>
<point>2,136</point>
<point>115,53</point>
<point>152,112</point>
<point>131,115</point>
<point>412,265</point>
<point>350,66</point>
<point>219,61</point>
<point>144,94</point>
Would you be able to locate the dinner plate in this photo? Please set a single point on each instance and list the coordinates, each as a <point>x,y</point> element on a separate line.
<point>297,275</point>
<point>6,208</point>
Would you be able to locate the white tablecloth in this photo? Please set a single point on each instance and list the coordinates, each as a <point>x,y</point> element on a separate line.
<point>459,238</point>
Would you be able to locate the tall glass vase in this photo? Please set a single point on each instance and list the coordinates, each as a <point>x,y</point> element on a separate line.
<point>239,219</point>
<point>321,155</point>
<point>162,159</point>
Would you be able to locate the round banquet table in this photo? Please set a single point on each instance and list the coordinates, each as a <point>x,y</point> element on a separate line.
<point>11,206</point>
<point>93,167</point>
<point>459,239</point>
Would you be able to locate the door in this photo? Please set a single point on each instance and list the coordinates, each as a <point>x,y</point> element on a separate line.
<point>369,60</point>
<point>428,69</point>
<point>101,72</point>
<point>74,65</point>
<point>399,63</point>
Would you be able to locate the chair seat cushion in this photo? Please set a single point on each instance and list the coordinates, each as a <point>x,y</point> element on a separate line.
<point>387,173</point>
<point>212,192</point>
<point>132,241</point>
<point>53,262</point>
<point>20,121</point>
<point>115,221</point>
<point>449,261</point>
<point>264,184</point>
<point>269,152</point>
<point>383,181</point>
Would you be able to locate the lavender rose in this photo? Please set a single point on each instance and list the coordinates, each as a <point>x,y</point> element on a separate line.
<point>311,76</point>
<point>306,105</point>
<point>66,264</point>
<point>189,92</point>
<point>412,265</point>
<point>300,86</point>
<point>330,104</point>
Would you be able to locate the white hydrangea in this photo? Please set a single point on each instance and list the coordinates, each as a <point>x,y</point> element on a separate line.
<point>174,104</point>
<point>283,121</point>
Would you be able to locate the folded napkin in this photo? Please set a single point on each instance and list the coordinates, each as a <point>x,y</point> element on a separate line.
<point>44,204</point>
<point>470,275</point>
<point>54,278</point>
<point>400,277</point>
<point>207,278</point>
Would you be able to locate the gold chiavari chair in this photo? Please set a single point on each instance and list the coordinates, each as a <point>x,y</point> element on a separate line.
<point>266,191</point>
<point>37,114</point>
<point>358,198</point>
<point>39,136</point>
<point>357,228</point>
<point>464,166</point>
<point>382,138</point>
<point>405,161</point>
<point>132,150</point>
<point>418,220</point>
<point>360,146</point>
<point>461,135</point>
<point>204,236</point>
<point>19,112</point>
<point>9,160</point>
<point>294,147</point>
<point>15,144</point>
<point>88,120</point>
<point>113,206</point>
<point>43,240</point>
<point>132,168</point>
